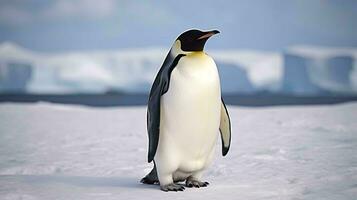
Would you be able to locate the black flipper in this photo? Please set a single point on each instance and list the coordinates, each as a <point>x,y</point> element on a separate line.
<point>159,87</point>
<point>225,129</point>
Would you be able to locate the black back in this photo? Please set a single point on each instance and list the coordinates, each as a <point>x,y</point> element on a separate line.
<point>159,87</point>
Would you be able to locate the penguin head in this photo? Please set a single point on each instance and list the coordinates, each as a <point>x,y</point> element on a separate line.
<point>194,40</point>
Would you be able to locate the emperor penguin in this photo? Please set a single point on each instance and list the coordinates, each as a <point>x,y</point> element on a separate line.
<point>185,115</point>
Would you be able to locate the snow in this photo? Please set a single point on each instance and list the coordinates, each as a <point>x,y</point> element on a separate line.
<point>53,151</point>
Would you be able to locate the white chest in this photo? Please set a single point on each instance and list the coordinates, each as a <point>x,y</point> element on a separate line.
<point>190,110</point>
<point>196,76</point>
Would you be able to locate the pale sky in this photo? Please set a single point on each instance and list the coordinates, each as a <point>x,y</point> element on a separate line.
<point>61,25</point>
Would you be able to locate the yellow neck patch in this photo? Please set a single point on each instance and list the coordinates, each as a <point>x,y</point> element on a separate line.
<point>196,53</point>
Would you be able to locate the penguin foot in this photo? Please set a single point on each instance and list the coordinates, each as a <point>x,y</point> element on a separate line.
<point>151,178</point>
<point>195,183</point>
<point>172,187</point>
<point>148,180</point>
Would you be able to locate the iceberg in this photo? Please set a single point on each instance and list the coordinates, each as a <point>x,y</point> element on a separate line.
<point>14,76</point>
<point>299,70</point>
<point>234,79</point>
<point>312,70</point>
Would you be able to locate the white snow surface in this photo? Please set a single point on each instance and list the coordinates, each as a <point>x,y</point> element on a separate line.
<point>52,151</point>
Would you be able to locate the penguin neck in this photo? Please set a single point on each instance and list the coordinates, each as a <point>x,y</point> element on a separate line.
<point>176,50</point>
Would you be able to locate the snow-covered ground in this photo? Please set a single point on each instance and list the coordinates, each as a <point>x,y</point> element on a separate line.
<point>51,151</point>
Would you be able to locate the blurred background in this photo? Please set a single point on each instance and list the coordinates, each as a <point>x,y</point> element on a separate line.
<point>108,52</point>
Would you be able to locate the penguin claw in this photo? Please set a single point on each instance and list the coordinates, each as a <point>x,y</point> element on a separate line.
<point>196,184</point>
<point>172,187</point>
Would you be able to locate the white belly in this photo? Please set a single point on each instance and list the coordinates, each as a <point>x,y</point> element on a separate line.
<point>190,115</point>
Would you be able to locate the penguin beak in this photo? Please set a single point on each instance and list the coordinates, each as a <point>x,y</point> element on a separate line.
<point>208,34</point>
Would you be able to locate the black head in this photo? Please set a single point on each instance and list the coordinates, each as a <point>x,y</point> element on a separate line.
<point>195,40</point>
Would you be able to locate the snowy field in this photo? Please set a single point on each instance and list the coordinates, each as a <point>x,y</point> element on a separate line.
<point>51,151</point>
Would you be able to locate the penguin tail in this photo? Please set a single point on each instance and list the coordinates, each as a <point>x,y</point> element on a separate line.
<point>151,178</point>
